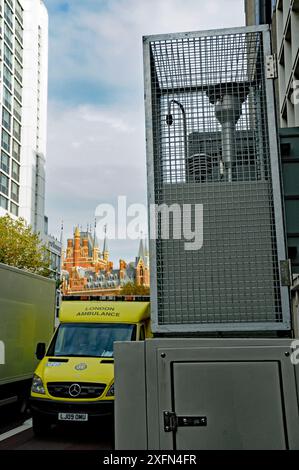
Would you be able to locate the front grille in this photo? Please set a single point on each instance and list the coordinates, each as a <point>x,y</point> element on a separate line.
<point>87,390</point>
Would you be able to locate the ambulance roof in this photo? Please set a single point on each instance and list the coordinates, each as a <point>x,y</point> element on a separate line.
<point>103,312</point>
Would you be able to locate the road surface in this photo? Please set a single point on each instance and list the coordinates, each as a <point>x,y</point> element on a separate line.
<point>16,434</point>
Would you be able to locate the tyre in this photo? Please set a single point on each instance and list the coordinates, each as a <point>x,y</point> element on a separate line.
<point>41,426</point>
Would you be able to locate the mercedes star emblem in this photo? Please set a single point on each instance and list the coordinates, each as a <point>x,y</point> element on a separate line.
<point>74,390</point>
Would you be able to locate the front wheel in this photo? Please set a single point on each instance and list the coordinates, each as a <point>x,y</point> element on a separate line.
<point>41,426</point>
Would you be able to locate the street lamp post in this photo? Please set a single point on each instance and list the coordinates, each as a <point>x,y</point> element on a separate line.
<point>169,122</point>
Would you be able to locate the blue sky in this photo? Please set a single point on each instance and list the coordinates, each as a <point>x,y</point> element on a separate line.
<point>96,142</point>
<point>72,34</point>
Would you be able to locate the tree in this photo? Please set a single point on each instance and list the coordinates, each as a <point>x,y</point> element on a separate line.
<point>131,288</point>
<point>22,248</point>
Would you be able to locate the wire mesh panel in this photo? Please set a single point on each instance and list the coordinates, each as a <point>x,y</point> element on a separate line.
<point>208,147</point>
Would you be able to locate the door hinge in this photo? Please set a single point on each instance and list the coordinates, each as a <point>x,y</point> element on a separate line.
<point>172,421</point>
<point>271,66</point>
<point>285,273</point>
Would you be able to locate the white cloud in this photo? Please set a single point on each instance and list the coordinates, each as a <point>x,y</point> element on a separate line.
<point>107,46</point>
<point>92,158</point>
<point>106,117</point>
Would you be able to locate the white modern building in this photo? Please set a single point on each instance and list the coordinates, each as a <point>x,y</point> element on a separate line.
<point>23,107</point>
<point>285,24</point>
<point>283,15</point>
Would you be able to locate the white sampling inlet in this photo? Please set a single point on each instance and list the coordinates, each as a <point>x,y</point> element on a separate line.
<point>228,110</point>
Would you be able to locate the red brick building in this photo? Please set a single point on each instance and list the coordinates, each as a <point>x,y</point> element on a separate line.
<point>86,267</point>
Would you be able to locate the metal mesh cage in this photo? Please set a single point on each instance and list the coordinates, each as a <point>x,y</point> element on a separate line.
<point>207,112</point>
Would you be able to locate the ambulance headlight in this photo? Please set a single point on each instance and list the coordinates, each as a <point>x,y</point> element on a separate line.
<point>110,392</point>
<point>37,385</point>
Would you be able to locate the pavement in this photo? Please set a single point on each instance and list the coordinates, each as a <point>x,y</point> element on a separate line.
<point>16,434</point>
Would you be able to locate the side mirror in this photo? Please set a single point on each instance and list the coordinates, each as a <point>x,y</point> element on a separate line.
<point>40,351</point>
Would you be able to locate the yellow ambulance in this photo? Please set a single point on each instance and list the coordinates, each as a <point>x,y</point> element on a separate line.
<point>74,380</point>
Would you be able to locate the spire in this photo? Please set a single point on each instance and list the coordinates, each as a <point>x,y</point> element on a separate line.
<point>76,246</point>
<point>141,251</point>
<point>61,233</point>
<point>105,246</point>
<point>146,252</point>
<point>146,248</point>
<point>95,241</point>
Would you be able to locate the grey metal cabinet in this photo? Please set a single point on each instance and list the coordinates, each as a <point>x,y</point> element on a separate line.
<point>207,394</point>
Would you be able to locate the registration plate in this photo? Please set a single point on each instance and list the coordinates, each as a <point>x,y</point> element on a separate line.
<point>73,417</point>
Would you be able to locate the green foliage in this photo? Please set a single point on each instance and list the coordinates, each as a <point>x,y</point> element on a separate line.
<point>22,248</point>
<point>131,288</point>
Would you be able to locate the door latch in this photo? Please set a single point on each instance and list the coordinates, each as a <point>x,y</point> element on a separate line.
<point>172,421</point>
<point>285,273</point>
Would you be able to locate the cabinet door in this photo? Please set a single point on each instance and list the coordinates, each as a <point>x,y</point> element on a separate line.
<point>240,404</point>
